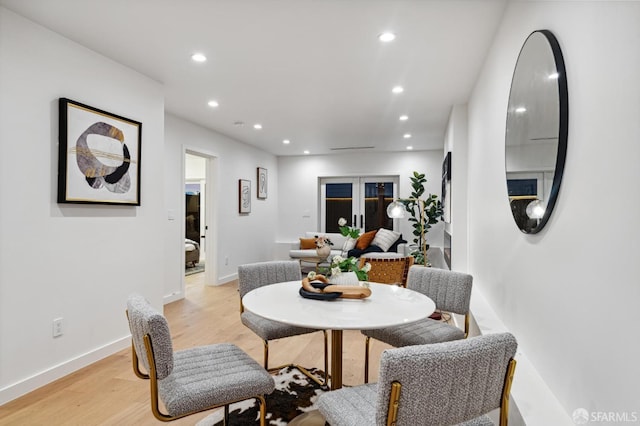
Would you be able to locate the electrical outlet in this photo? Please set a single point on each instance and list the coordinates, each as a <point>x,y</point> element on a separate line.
<point>57,327</point>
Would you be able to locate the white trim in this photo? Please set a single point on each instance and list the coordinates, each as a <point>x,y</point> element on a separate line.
<point>18,389</point>
<point>178,295</point>
<point>211,198</point>
<point>226,279</point>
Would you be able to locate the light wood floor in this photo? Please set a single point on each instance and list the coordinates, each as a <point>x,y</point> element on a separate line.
<point>108,393</point>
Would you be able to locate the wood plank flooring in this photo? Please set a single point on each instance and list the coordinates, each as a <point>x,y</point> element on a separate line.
<point>108,393</point>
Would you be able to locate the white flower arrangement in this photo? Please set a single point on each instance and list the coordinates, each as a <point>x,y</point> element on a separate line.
<point>339,264</point>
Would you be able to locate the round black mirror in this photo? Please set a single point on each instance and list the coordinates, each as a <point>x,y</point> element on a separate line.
<point>537,128</point>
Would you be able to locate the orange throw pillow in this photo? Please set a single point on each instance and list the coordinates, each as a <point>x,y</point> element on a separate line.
<point>365,240</point>
<point>307,243</point>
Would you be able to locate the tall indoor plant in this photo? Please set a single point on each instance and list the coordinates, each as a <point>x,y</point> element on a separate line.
<point>424,211</point>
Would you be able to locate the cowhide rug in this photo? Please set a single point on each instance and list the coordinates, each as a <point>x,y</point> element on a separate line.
<point>294,394</point>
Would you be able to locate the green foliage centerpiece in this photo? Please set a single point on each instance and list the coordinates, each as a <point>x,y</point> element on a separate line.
<point>339,264</point>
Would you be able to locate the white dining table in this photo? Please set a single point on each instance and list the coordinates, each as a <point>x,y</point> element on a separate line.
<point>387,306</point>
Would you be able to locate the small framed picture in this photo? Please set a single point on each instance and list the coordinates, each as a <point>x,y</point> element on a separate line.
<point>244,196</point>
<point>262,183</point>
<point>98,156</point>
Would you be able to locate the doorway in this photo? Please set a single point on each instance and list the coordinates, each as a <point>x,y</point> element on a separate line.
<point>195,178</point>
<point>362,201</point>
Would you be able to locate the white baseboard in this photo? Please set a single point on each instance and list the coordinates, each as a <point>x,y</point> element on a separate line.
<point>178,295</point>
<point>18,389</point>
<point>227,278</point>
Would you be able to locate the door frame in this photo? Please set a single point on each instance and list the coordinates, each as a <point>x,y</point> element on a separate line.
<point>211,200</point>
<point>358,202</point>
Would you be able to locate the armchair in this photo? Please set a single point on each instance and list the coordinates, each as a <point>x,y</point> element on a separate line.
<point>388,270</point>
<point>251,276</point>
<point>451,292</point>
<point>195,379</point>
<point>431,385</point>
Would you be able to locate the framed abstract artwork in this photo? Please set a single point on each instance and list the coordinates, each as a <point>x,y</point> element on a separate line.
<point>98,156</point>
<point>262,183</point>
<point>244,196</point>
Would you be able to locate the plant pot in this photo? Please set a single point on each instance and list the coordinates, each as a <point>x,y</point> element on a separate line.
<point>344,278</point>
<point>323,251</point>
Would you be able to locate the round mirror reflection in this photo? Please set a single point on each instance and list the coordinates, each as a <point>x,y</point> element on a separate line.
<point>536,134</point>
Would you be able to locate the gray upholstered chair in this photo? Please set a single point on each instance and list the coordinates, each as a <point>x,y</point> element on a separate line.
<point>255,275</point>
<point>440,384</point>
<point>194,379</point>
<point>451,292</point>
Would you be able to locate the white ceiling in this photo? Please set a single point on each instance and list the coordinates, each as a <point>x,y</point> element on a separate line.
<point>311,71</point>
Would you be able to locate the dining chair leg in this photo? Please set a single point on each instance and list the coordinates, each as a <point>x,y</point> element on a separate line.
<point>326,357</point>
<point>263,409</point>
<point>226,415</point>
<point>366,359</point>
<point>266,355</point>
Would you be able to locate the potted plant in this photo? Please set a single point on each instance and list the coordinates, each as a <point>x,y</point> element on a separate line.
<point>424,213</point>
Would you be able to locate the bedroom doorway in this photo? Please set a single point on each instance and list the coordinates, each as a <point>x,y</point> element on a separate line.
<point>195,185</point>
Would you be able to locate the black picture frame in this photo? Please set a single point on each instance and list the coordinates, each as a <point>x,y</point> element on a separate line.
<point>244,196</point>
<point>99,156</point>
<point>446,188</point>
<point>262,183</point>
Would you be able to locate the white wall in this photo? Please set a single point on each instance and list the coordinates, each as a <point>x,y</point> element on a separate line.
<point>72,261</point>
<point>456,142</point>
<point>569,293</point>
<point>240,238</point>
<point>298,185</point>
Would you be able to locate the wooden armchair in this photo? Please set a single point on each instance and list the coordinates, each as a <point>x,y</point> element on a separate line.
<point>388,270</point>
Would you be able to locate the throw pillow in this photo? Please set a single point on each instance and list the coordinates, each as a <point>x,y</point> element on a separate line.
<point>349,244</point>
<point>357,252</point>
<point>394,246</point>
<point>365,240</point>
<point>385,238</point>
<point>307,243</point>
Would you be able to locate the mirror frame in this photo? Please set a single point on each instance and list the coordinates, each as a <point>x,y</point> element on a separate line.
<point>563,126</point>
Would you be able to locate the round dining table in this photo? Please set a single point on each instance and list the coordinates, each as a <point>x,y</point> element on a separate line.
<point>388,305</point>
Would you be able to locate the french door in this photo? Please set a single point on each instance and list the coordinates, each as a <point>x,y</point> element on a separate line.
<point>362,201</point>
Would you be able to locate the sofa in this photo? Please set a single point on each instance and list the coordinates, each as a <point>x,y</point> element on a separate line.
<point>388,244</point>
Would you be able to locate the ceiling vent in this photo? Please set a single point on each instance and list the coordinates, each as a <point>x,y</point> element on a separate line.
<point>351,147</point>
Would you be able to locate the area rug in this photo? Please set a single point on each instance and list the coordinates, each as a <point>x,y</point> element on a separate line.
<point>198,267</point>
<point>295,394</point>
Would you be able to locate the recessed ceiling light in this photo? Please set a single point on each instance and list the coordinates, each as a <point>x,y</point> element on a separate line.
<point>554,76</point>
<point>409,148</point>
<point>404,117</point>
<point>406,135</point>
<point>198,57</point>
<point>257,126</point>
<point>286,141</point>
<point>306,151</point>
<point>397,89</point>
<point>387,37</point>
<point>520,110</point>
<point>213,104</point>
